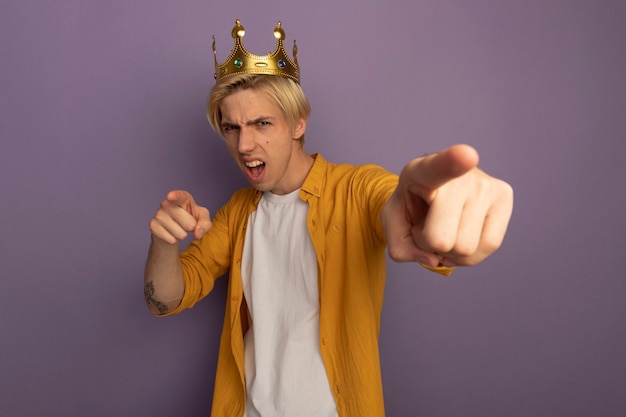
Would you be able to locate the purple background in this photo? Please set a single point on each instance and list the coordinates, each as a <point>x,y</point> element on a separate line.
<point>102,112</point>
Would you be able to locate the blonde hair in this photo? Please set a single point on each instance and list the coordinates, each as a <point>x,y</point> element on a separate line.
<point>286,93</point>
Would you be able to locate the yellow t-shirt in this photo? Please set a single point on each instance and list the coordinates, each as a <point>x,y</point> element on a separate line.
<point>345,203</point>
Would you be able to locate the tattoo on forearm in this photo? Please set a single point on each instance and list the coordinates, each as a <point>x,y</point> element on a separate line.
<point>148,293</point>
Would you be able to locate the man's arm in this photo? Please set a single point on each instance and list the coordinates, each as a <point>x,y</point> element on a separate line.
<point>446,210</point>
<point>164,285</point>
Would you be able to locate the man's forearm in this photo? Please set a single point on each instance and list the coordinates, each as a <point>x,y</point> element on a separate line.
<point>164,285</point>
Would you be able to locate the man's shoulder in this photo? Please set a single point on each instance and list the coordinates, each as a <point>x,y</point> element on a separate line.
<point>241,201</point>
<point>365,171</point>
<point>356,179</point>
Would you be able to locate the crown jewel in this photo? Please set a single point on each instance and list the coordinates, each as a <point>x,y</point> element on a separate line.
<point>240,61</point>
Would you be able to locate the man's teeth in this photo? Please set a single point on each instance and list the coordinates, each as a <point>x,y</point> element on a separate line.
<point>253,164</point>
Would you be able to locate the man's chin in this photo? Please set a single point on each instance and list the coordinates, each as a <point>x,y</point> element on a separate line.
<point>259,186</point>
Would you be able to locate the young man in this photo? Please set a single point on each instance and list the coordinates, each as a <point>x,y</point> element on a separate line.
<point>305,247</point>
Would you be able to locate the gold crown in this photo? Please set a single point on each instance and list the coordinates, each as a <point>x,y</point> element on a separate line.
<point>240,61</point>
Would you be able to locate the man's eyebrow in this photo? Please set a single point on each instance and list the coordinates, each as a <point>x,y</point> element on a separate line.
<point>259,119</point>
<point>227,124</point>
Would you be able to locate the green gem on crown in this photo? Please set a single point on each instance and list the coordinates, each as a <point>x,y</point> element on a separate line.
<point>238,63</point>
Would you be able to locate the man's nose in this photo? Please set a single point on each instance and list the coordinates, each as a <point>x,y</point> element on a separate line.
<point>246,140</point>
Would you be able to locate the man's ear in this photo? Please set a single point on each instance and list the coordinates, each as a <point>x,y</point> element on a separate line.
<point>300,128</point>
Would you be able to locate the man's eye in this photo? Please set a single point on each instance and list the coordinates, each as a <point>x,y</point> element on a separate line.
<point>229,128</point>
<point>263,123</point>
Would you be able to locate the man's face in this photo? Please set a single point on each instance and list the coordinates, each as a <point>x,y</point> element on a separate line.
<point>262,142</point>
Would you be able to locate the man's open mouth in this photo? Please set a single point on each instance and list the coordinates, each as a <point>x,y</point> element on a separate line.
<point>255,168</point>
